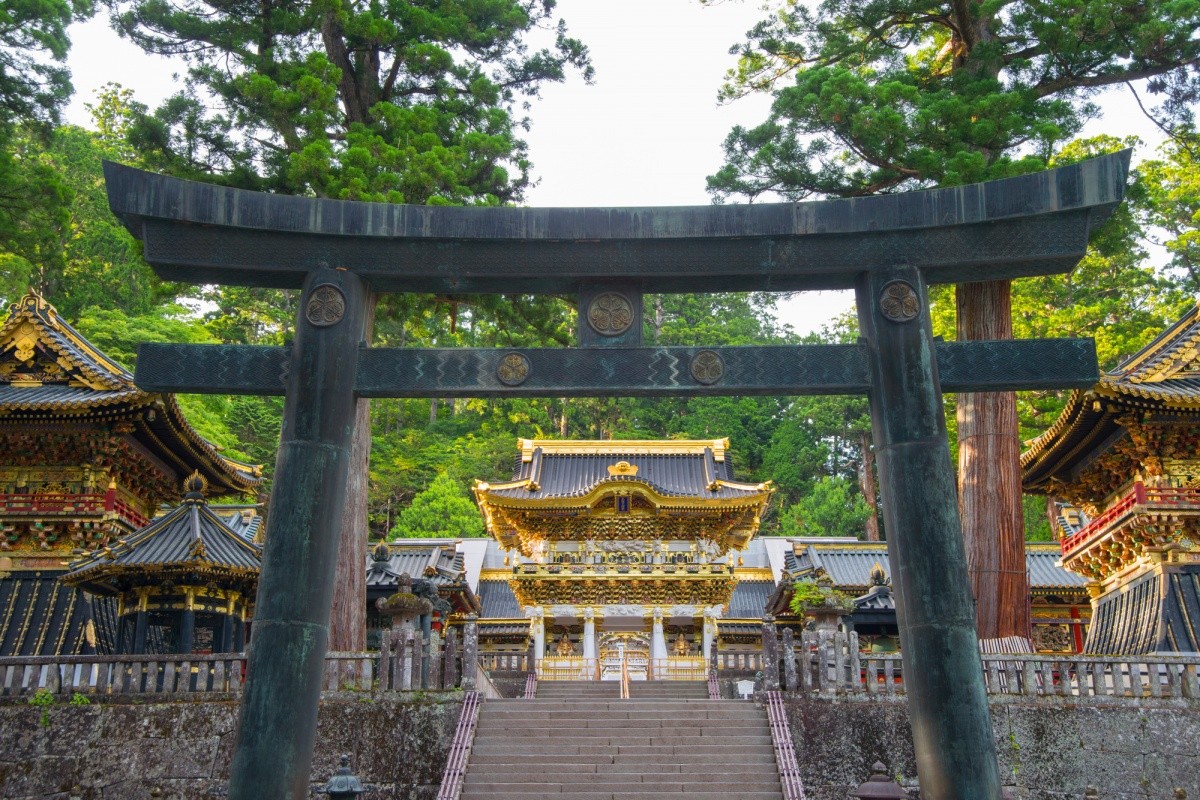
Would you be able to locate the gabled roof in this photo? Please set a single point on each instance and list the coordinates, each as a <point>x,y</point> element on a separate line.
<point>190,538</point>
<point>1161,379</point>
<point>498,600</point>
<point>749,600</point>
<point>1158,611</point>
<point>46,363</point>
<point>439,561</point>
<point>48,371</point>
<point>436,561</point>
<point>849,565</point>
<point>41,617</point>
<point>671,471</point>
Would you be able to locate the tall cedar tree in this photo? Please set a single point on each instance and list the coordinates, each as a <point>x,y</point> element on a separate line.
<point>404,102</point>
<point>34,86</point>
<point>889,95</point>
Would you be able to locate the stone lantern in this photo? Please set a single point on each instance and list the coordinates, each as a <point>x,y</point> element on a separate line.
<point>403,607</point>
<point>879,785</point>
<point>344,785</point>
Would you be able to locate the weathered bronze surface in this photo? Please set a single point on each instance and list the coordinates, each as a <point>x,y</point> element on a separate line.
<point>952,732</point>
<point>888,248</point>
<point>1030,225</point>
<point>604,372</point>
<point>275,736</point>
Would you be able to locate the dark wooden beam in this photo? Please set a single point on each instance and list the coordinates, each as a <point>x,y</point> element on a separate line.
<point>643,371</point>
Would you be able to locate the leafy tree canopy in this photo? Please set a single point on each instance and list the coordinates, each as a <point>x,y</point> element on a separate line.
<point>442,510</point>
<point>896,94</point>
<point>405,102</point>
<point>832,507</point>
<point>1168,196</point>
<point>66,243</point>
<point>34,83</point>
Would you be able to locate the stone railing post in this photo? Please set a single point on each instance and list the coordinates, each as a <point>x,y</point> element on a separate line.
<point>789,660</point>
<point>450,659</point>
<point>770,653</point>
<point>470,658</point>
<point>424,642</point>
<point>384,672</point>
<point>405,658</point>
<point>435,661</point>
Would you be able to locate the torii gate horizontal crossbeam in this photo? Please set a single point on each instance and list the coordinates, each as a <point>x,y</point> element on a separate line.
<point>605,372</point>
<point>1034,224</point>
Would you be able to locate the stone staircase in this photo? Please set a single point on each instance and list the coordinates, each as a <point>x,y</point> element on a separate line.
<point>580,741</point>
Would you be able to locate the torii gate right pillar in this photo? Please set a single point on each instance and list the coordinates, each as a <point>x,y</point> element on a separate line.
<point>948,708</point>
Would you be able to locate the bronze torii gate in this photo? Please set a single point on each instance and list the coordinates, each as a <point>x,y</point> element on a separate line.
<point>886,248</point>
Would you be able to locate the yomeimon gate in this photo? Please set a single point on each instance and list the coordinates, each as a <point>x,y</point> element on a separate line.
<point>888,249</point>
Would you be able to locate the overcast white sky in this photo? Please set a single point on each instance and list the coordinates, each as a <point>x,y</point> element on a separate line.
<point>645,134</point>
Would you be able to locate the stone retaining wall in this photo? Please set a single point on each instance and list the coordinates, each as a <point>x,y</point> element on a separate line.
<point>180,750</point>
<point>1048,748</point>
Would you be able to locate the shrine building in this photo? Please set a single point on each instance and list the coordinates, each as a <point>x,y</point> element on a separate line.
<point>621,551</point>
<point>1121,467</point>
<point>86,460</point>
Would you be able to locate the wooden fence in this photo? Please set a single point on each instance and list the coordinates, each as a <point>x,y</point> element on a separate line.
<point>832,664</point>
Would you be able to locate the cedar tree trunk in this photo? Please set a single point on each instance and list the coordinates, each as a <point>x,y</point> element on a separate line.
<point>989,476</point>
<point>866,483</point>
<point>348,617</point>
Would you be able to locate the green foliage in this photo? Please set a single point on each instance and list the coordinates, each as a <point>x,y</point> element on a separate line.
<point>894,94</point>
<point>33,46</point>
<point>831,506</point>
<point>401,102</point>
<point>62,239</point>
<point>809,595</point>
<point>442,510</point>
<point>42,699</point>
<point>1037,524</point>
<point>1168,196</point>
<point>78,699</point>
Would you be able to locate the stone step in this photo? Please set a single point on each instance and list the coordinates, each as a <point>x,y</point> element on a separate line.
<point>616,702</point>
<point>563,722</point>
<point>539,738</point>
<point>579,744</point>
<point>591,794</point>
<point>698,689</point>
<point>664,750</point>
<point>558,688</point>
<point>631,711</point>
<point>643,710</point>
<point>614,727</point>
<point>757,780</point>
<point>735,789</point>
<point>535,745</point>
<point>763,759</point>
<point>706,768</point>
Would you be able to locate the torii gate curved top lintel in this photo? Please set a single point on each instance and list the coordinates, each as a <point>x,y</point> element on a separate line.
<point>887,248</point>
<point>1028,225</point>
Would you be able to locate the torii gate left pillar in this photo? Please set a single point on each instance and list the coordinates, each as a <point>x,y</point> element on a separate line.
<point>886,248</point>
<point>277,728</point>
